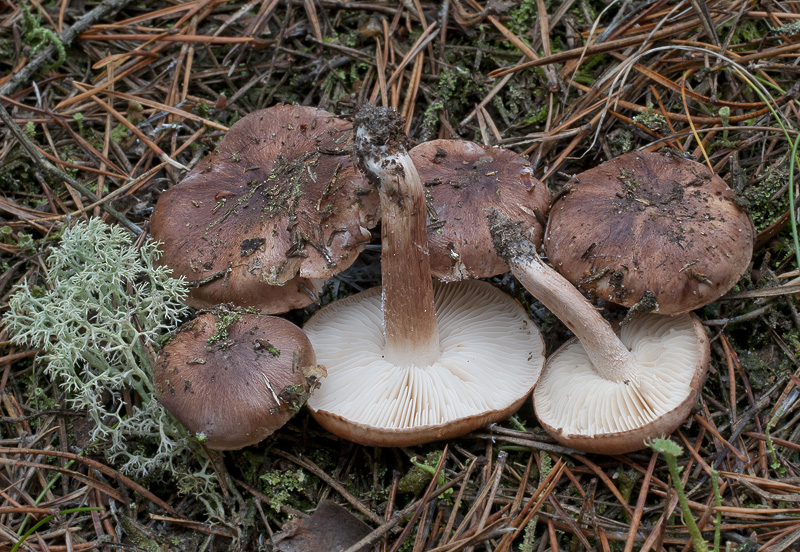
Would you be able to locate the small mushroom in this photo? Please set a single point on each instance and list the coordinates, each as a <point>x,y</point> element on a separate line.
<point>274,209</point>
<point>462,179</point>
<point>411,362</point>
<point>233,378</point>
<point>653,229</point>
<point>601,392</point>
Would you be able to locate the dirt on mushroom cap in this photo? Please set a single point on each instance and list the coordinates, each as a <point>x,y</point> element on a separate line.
<point>235,377</point>
<point>650,222</point>
<point>462,180</point>
<point>278,198</point>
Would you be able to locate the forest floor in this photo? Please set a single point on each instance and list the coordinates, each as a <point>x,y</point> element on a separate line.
<point>108,103</point>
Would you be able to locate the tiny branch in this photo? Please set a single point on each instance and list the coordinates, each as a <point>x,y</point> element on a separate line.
<point>40,60</point>
<point>53,171</point>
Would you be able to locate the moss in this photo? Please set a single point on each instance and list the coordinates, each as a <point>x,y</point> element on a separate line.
<point>586,75</point>
<point>287,488</point>
<point>30,130</point>
<point>39,38</point>
<point>522,17</point>
<point>419,476</point>
<point>38,292</point>
<point>763,366</point>
<point>538,117</point>
<point>627,481</point>
<point>652,120</point>
<point>7,53</point>
<point>203,109</point>
<point>225,320</point>
<point>746,30</point>
<point>759,198</point>
<point>294,397</point>
<point>119,133</point>
<point>17,174</point>
<point>430,120</point>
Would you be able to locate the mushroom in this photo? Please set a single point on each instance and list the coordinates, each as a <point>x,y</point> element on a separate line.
<point>411,362</point>
<point>650,228</point>
<point>462,179</point>
<point>601,392</point>
<point>233,378</point>
<point>278,206</point>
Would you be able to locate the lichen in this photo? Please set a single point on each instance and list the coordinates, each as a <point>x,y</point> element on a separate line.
<point>105,305</point>
<point>790,29</point>
<point>620,141</point>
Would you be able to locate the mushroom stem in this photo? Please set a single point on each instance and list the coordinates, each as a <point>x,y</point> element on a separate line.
<point>610,357</point>
<point>409,315</point>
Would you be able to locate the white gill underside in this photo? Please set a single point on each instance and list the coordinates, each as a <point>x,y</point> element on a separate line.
<point>573,397</point>
<point>491,356</point>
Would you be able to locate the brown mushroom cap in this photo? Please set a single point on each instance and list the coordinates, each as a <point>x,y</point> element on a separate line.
<point>606,392</point>
<point>278,202</point>
<point>235,378</point>
<point>649,222</point>
<point>463,179</point>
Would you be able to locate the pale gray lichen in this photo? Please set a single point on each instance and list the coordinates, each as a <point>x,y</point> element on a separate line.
<point>105,304</point>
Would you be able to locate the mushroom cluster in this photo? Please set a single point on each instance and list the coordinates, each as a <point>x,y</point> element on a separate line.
<point>277,207</point>
<point>411,362</point>
<point>655,233</point>
<point>281,204</point>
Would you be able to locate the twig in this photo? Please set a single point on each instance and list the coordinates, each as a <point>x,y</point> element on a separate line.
<point>67,37</point>
<point>53,171</point>
<point>339,488</point>
<point>403,514</point>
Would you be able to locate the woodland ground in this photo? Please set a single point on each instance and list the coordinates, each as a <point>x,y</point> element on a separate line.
<point>106,91</point>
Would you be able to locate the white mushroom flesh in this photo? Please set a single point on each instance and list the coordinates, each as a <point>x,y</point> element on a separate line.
<point>491,356</point>
<point>572,396</point>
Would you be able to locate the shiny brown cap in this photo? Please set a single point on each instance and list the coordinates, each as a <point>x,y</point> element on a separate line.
<point>277,203</point>
<point>233,378</point>
<point>647,226</point>
<point>462,180</point>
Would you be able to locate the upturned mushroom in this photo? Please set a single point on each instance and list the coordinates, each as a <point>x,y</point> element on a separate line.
<point>233,378</point>
<point>650,228</point>
<point>276,207</point>
<point>411,362</point>
<point>602,392</point>
<point>462,179</point>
